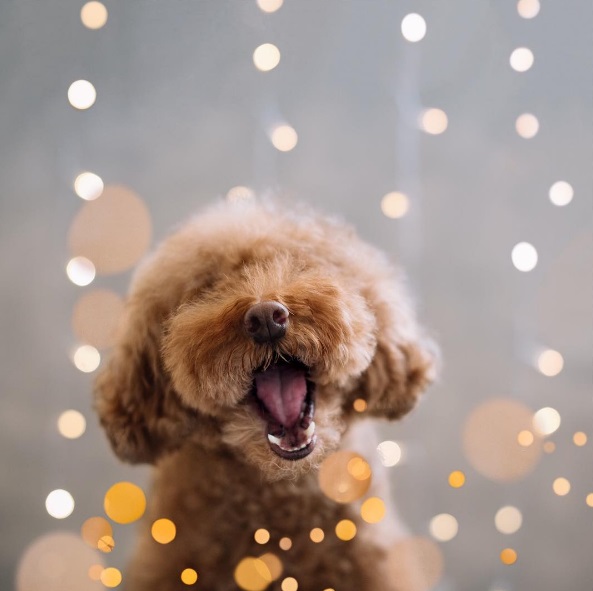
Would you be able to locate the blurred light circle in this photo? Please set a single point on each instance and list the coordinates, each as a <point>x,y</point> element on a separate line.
<point>96,317</point>
<point>95,571</point>
<point>508,556</point>
<point>561,193</point>
<point>80,271</point>
<point>82,94</point>
<point>106,544</point>
<point>273,563</point>
<point>443,527</point>
<point>579,439</point>
<point>88,186</point>
<point>390,453</point>
<point>289,584</point>
<point>550,362</point>
<point>456,479</point>
<point>589,500</point>
<point>359,405</point>
<point>124,502</point>
<point>252,574</point>
<point>395,205</point>
<point>549,447</point>
<point>546,420</point>
<point>86,358</point>
<point>59,503</point>
<point>270,5</point>
<point>359,468</point>
<point>434,121</point>
<point>285,544</point>
<point>266,57</point>
<point>111,577</point>
<point>114,231</point>
<point>528,8</point>
<point>527,125</point>
<point>490,440</point>
<point>189,576</point>
<point>525,438</point>
<point>346,530</point>
<point>413,27</point>
<point>416,563</point>
<point>508,520</point>
<point>317,535</point>
<point>373,510</point>
<point>341,480</point>
<point>240,193</point>
<point>524,256</point>
<point>521,59</point>
<point>262,536</point>
<point>95,528</point>
<point>58,561</point>
<point>93,15</point>
<point>284,138</point>
<point>163,531</point>
<point>561,486</point>
<point>71,424</point>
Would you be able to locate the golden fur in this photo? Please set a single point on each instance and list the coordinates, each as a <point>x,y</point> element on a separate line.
<point>173,393</point>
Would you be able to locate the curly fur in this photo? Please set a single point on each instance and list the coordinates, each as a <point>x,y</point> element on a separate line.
<point>174,390</point>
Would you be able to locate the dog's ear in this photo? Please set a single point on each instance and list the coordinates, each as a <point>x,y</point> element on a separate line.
<point>405,360</point>
<point>134,397</point>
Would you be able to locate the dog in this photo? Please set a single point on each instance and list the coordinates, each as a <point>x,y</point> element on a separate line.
<point>248,338</point>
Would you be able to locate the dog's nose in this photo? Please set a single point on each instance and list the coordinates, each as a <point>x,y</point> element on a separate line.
<point>266,322</point>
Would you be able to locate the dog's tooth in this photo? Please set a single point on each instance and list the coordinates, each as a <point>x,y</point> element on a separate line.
<point>310,430</point>
<point>274,440</point>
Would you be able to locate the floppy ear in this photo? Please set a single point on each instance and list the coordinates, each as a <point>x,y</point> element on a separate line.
<point>405,359</point>
<point>136,403</point>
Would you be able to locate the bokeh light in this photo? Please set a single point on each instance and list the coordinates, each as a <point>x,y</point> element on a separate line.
<point>344,476</point>
<point>416,563</point>
<point>114,231</point>
<point>252,574</point>
<point>88,186</point>
<point>345,530</point>
<point>273,563</point>
<point>390,453</point>
<point>285,544</point>
<point>95,571</point>
<point>359,468</point>
<point>106,544</point>
<point>373,510</point>
<point>111,577</point>
<point>59,503</point>
<point>266,57</point>
<point>561,193</point>
<point>508,556</point>
<point>262,536</point>
<point>289,584</point>
<point>589,500</point>
<point>433,121</point>
<point>549,447</point>
<point>528,8</point>
<point>525,438</point>
<point>80,271</point>
<point>521,59</point>
<point>490,440</point>
<point>317,535</point>
<point>96,317</point>
<point>550,362</point>
<point>93,15</point>
<point>527,125</point>
<point>284,138</point>
<point>269,5</point>
<point>546,420</point>
<point>456,479</point>
<point>95,528</point>
<point>82,94</point>
<point>71,424</point>
<point>443,527</point>
<point>508,520</point>
<point>163,531</point>
<point>240,193</point>
<point>359,405</point>
<point>86,358</point>
<point>124,502</point>
<point>579,439</point>
<point>413,27</point>
<point>395,205</point>
<point>561,486</point>
<point>524,256</point>
<point>189,576</point>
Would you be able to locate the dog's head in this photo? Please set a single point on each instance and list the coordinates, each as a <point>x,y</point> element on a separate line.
<point>255,329</point>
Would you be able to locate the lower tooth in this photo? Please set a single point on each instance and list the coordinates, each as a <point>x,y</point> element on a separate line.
<point>273,439</point>
<point>310,430</point>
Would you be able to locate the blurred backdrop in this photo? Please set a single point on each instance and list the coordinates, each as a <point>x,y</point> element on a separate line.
<point>457,136</point>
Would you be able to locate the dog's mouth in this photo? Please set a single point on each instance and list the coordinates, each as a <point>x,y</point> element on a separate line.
<point>285,398</point>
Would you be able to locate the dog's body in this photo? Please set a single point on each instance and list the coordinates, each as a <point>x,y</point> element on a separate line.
<point>247,338</point>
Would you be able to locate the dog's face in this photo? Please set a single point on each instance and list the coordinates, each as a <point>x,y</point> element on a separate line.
<point>256,330</point>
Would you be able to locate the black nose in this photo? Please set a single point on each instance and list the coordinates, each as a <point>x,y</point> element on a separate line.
<point>266,322</point>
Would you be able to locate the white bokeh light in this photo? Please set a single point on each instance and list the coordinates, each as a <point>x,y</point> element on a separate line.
<point>413,27</point>
<point>433,121</point>
<point>521,59</point>
<point>71,424</point>
<point>508,520</point>
<point>390,453</point>
<point>82,94</point>
<point>395,205</point>
<point>524,256</point>
<point>269,5</point>
<point>561,193</point>
<point>59,503</point>
<point>527,125</point>
<point>443,527</point>
<point>284,138</point>
<point>528,8</point>
<point>86,358</point>
<point>550,362</point>
<point>88,186</point>
<point>266,57</point>
<point>546,421</point>
<point>80,271</point>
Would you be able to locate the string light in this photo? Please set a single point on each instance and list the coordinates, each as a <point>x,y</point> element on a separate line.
<point>395,205</point>
<point>86,358</point>
<point>285,544</point>
<point>93,15</point>
<point>270,5</point>
<point>390,453</point>
<point>527,125</point>
<point>59,503</point>
<point>550,362</point>
<point>546,420</point>
<point>561,193</point>
<point>561,486</point>
<point>345,530</point>
<point>80,271</point>
<point>443,527</point>
<point>71,424</point>
<point>508,520</point>
<point>124,502</point>
<point>289,584</point>
<point>82,94</point>
<point>163,531</point>
<point>317,535</point>
<point>456,479</point>
<point>521,59</point>
<point>189,576</point>
<point>111,577</point>
<point>528,8</point>
<point>88,186</point>
<point>433,121</point>
<point>524,256</point>
<point>284,138</point>
<point>579,439</point>
<point>262,536</point>
<point>373,510</point>
<point>413,27</point>
<point>508,556</point>
<point>266,57</point>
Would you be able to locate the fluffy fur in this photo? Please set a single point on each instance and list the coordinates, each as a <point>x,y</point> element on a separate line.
<point>175,391</point>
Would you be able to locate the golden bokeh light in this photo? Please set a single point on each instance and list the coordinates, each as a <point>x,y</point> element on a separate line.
<point>252,574</point>
<point>189,576</point>
<point>111,577</point>
<point>443,527</point>
<point>270,5</point>
<point>59,503</point>
<point>96,317</point>
<point>525,438</point>
<point>163,531</point>
<point>88,186</point>
<point>546,421</point>
<point>490,440</point>
<point>589,500</point>
<point>395,205</point>
<point>240,193</point>
<point>344,476</point>
<point>86,358</point>
<point>579,439</point>
<point>561,486</point>
<point>124,502</point>
<point>456,479</point>
<point>521,59</point>
<point>80,271</point>
<point>527,125</point>
<point>95,571</point>
<point>373,510</point>
<point>289,584</point>
<point>261,536</point>
<point>317,535</point>
<point>561,193</point>
<point>284,138</point>
<point>433,121</point>
<point>359,405</point>
<point>524,256</point>
<point>71,424</point>
<point>345,530</point>
<point>82,94</point>
<point>416,563</point>
<point>285,544</point>
<point>114,231</point>
<point>508,556</point>
<point>273,563</point>
<point>95,528</point>
<point>528,8</point>
<point>549,447</point>
<point>508,520</point>
<point>106,544</point>
<point>550,362</point>
<point>93,15</point>
<point>266,57</point>
<point>390,453</point>
<point>413,27</point>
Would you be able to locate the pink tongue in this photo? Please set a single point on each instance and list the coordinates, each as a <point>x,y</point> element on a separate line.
<point>282,390</point>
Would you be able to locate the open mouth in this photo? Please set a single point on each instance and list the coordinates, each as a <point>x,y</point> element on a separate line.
<point>286,401</point>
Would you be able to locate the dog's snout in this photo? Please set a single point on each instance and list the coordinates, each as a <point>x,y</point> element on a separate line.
<point>266,322</point>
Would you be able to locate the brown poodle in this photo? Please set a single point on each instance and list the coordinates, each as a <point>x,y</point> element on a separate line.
<point>247,338</point>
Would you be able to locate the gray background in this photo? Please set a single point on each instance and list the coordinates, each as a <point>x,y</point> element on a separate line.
<point>182,116</point>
